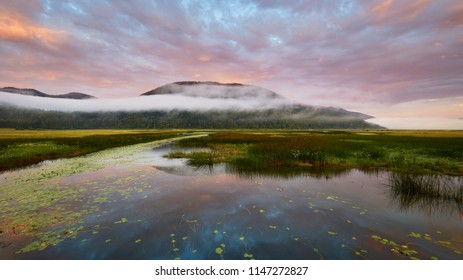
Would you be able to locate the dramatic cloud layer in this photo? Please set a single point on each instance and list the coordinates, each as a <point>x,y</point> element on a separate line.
<point>361,55</point>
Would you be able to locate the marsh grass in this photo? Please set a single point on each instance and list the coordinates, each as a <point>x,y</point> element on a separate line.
<point>423,153</point>
<point>30,148</point>
<point>430,192</point>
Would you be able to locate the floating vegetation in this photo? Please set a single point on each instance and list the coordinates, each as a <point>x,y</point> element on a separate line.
<point>122,220</point>
<point>20,152</point>
<point>125,209</point>
<point>396,248</point>
<point>35,204</point>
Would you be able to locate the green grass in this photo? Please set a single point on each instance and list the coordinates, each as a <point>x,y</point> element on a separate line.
<point>23,148</point>
<point>430,152</point>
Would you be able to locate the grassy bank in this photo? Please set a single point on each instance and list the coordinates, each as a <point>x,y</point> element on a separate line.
<point>439,152</point>
<point>20,148</point>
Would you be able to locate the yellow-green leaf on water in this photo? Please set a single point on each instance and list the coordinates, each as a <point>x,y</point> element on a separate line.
<point>376,237</point>
<point>138,241</point>
<point>332,233</point>
<point>416,235</point>
<point>246,255</point>
<point>184,238</point>
<point>218,251</point>
<point>434,258</point>
<point>241,238</point>
<point>216,231</point>
<point>107,240</point>
<point>222,245</point>
<point>262,211</point>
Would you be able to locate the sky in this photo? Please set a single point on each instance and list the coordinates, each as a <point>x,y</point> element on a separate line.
<point>398,60</point>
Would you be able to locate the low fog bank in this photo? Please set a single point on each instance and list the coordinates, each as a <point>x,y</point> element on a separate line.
<point>165,102</point>
<point>419,123</point>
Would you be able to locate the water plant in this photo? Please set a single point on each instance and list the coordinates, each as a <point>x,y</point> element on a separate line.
<point>315,151</point>
<point>34,147</point>
<point>429,192</point>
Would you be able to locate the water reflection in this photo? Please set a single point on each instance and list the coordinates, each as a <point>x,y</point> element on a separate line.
<point>133,211</point>
<point>285,173</point>
<point>430,194</point>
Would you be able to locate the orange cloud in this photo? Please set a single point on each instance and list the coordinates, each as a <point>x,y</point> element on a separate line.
<point>204,58</point>
<point>381,9</point>
<point>16,28</point>
<point>455,17</point>
<point>397,12</point>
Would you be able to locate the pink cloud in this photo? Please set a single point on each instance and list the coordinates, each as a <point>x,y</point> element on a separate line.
<point>350,52</point>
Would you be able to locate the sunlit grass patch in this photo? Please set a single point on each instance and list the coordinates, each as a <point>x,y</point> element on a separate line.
<point>421,152</point>
<point>23,148</point>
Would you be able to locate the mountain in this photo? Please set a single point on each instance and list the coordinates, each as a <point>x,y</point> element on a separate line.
<point>34,92</point>
<point>215,90</point>
<point>186,104</point>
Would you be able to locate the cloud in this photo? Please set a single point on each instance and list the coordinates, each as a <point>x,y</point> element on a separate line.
<point>344,52</point>
<point>193,99</point>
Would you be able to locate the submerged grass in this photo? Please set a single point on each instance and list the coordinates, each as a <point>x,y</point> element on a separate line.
<point>23,148</point>
<point>431,152</point>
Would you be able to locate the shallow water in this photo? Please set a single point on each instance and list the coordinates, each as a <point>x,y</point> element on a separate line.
<point>150,207</point>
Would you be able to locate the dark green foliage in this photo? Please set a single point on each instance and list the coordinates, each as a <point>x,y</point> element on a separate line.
<point>284,117</point>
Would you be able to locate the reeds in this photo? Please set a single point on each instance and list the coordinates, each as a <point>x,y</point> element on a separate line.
<point>264,150</point>
<point>429,192</point>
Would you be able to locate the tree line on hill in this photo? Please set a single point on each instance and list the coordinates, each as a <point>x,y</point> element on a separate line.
<point>279,118</point>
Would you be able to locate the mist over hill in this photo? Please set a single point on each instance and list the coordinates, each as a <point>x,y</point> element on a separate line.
<point>34,92</point>
<point>187,104</point>
<point>215,90</point>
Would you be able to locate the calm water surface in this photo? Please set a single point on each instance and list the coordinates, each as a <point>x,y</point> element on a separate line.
<point>156,208</point>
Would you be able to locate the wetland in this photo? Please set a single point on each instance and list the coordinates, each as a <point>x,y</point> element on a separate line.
<point>241,195</point>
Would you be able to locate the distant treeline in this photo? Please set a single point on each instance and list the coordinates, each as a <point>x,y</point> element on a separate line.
<point>284,118</point>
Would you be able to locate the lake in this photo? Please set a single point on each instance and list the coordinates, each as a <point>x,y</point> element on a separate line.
<point>140,205</point>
